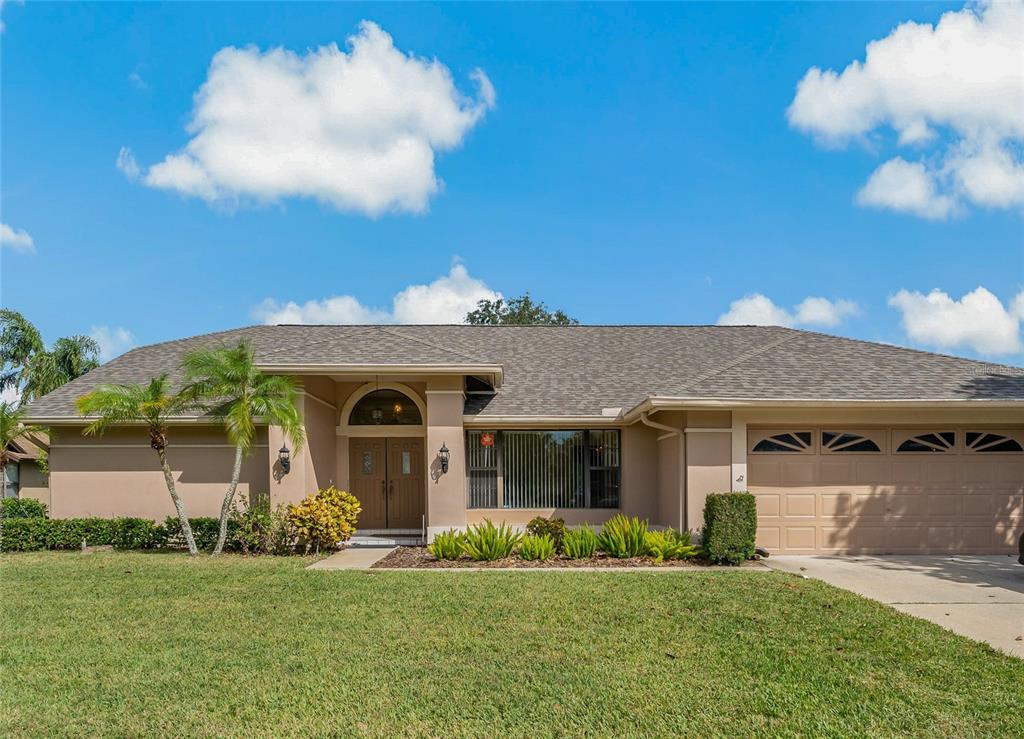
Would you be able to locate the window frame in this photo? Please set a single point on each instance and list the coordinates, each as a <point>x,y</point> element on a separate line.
<point>902,436</point>
<point>875,436</point>
<point>1006,434</point>
<point>769,434</point>
<point>587,468</point>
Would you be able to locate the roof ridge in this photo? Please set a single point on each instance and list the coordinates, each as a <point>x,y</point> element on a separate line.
<point>739,360</point>
<point>822,334</point>
<point>361,330</point>
<point>386,330</point>
<point>188,339</point>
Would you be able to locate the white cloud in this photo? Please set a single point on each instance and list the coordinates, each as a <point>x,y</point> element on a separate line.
<point>977,321</point>
<point>356,129</point>
<point>113,341</point>
<point>445,300</point>
<point>905,186</point>
<point>17,240</point>
<point>136,79</point>
<point>759,310</point>
<point>127,164</point>
<point>956,87</point>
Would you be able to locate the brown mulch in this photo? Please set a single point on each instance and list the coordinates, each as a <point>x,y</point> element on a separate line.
<point>417,558</point>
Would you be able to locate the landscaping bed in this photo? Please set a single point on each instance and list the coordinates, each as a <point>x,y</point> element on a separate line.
<point>418,558</point>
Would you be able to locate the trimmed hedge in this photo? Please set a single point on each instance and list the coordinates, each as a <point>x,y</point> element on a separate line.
<point>38,533</point>
<point>730,527</point>
<point>22,508</point>
<point>204,530</point>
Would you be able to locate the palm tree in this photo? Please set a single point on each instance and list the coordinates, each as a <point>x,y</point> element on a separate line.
<point>234,391</point>
<point>19,342</point>
<point>11,427</point>
<point>26,364</point>
<point>153,405</point>
<point>69,358</point>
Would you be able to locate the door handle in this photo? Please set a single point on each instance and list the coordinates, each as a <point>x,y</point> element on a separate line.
<point>391,488</point>
<point>384,488</point>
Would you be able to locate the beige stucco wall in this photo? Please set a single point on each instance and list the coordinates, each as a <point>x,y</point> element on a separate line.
<point>446,492</point>
<point>32,482</point>
<point>708,459</point>
<point>118,474</point>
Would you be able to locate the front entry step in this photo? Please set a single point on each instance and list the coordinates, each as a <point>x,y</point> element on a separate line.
<point>398,539</point>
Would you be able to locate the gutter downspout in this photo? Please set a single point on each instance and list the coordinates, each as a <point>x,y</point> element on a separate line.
<point>682,463</point>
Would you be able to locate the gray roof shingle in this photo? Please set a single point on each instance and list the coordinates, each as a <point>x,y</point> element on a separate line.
<point>579,370</point>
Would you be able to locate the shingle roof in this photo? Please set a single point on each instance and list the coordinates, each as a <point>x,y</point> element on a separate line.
<point>579,370</point>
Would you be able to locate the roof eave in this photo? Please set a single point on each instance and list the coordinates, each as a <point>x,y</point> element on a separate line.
<point>305,368</point>
<point>661,402</point>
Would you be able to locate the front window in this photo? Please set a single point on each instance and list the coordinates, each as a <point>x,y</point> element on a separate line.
<point>385,408</point>
<point>543,469</point>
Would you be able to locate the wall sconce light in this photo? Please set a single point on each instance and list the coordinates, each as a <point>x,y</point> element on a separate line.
<point>284,456</point>
<point>444,455</point>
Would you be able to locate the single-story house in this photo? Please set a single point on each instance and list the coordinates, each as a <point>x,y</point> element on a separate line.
<point>849,446</point>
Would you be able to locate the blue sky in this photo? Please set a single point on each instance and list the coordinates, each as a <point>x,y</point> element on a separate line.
<point>635,165</point>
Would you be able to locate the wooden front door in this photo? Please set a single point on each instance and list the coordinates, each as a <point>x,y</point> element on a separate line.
<point>387,476</point>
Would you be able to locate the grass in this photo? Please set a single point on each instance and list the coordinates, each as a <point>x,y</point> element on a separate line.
<point>148,644</point>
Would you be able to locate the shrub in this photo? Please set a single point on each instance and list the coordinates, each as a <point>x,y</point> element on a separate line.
<point>623,537</point>
<point>447,545</point>
<point>553,527</point>
<point>537,547</point>
<point>22,508</point>
<point>326,518</point>
<point>670,544</point>
<point>579,543</point>
<point>250,523</point>
<point>730,527</point>
<point>204,528</point>
<point>69,533</point>
<point>486,542</point>
<point>24,534</point>
<point>137,533</point>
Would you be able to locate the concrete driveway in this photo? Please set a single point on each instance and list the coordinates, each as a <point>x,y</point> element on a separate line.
<point>981,597</point>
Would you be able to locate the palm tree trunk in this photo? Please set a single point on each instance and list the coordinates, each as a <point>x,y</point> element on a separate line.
<point>225,507</point>
<point>186,528</point>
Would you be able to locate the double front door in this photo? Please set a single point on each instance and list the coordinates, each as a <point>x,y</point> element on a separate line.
<point>388,478</point>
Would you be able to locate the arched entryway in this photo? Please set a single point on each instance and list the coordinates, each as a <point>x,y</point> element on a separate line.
<point>387,469</point>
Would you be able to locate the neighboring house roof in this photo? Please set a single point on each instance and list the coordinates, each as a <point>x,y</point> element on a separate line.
<point>28,446</point>
<point>579,371</point>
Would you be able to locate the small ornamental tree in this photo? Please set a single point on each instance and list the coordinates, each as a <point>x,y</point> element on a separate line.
<point>154,406</point>
<point>325,518</point>
<point>227,383</point>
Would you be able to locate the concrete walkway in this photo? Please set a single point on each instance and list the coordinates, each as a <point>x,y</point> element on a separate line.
<point>354,558</point>
<point>978,596</point>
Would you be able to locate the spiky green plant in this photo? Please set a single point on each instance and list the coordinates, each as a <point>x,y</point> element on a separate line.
<point>447,545</point>
<point>537,547</point>
<point>623,537</point>
<point>579,543</point>
<point>486,542</point>
<point>229,386</point>
<point>670,544</point>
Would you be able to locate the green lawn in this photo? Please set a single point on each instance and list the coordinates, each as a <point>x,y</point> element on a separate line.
<point>150,644</point>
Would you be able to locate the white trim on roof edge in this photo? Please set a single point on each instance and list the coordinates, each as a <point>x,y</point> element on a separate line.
<point>672,403</point>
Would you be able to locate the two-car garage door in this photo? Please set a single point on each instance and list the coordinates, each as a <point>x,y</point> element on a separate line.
<point>887,490</point>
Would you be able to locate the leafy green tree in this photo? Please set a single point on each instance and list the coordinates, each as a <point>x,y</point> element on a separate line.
<point>232,389</point>
<point>153,405</point>
<point>521,311</point>
<point>26,364</point>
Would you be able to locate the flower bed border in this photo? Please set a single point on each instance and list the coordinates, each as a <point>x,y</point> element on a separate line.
<point>417,558</point>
